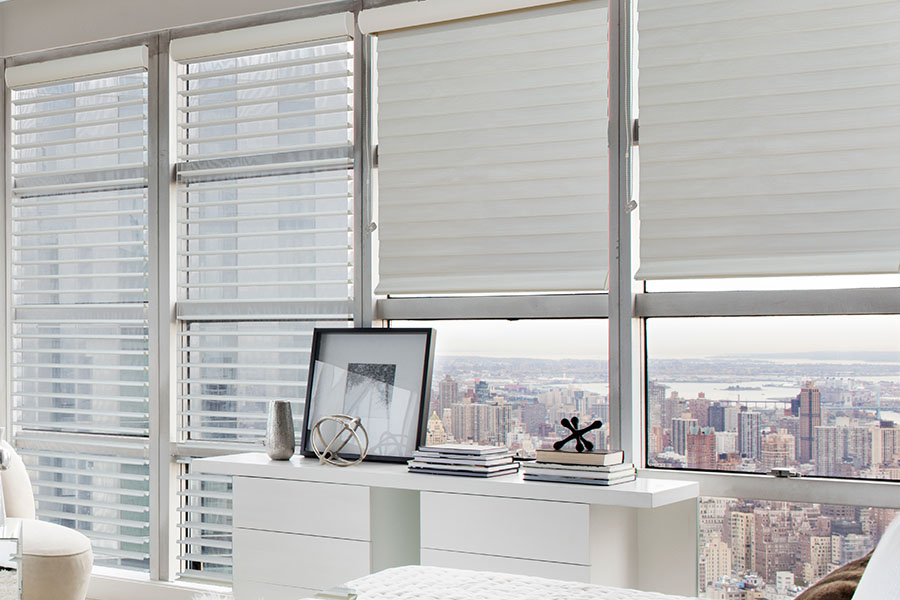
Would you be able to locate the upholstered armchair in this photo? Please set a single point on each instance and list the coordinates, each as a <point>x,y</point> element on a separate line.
<point>56,560</point>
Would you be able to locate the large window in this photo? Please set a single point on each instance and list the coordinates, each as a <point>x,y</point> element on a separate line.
<point>769,252</point>
<point>265,242</point>
<point>79,380</point>
<point>474,172</point>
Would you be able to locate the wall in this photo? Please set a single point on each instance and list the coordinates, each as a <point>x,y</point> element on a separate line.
<point>31,25</point>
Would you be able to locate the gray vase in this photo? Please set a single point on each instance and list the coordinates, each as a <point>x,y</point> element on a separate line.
<point>280,431</point>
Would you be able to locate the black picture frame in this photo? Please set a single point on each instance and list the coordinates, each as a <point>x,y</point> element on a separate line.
<point>382,375</point>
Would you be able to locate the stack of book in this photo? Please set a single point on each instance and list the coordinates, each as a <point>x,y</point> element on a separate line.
<point>602,467</point>
<point>463,459</point>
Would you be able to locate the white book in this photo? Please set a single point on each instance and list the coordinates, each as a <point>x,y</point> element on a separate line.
<point>584,480</point>
<point>418,464</point>
<point>539,470</point>
<point>469,449</point>
<point>490,460</point>
<point>582,468</point>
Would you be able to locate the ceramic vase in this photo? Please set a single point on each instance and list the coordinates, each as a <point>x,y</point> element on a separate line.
<point>280,431</point>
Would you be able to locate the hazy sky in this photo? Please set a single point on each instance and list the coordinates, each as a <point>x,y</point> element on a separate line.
<point>670,338</point>
<point>687,338</point>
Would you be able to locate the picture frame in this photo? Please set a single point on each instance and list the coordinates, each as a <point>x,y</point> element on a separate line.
<point>382,376</point>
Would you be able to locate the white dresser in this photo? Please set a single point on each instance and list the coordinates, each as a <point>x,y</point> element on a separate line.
<point>300,527</point>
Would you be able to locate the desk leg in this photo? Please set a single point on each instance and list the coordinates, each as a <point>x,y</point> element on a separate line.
<point>668,548</point>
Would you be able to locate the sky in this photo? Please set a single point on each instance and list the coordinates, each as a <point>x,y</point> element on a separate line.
<point>686,338</point>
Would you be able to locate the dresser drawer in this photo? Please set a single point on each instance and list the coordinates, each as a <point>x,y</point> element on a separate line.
<point>510,527</point>
<point>302,561</point>
<point>325,509</point>
<point>502,564</point>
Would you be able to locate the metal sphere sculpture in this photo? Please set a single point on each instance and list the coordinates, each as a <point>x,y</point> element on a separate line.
<point>348,429</point>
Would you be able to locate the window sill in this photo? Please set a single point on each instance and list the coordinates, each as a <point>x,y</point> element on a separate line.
<point>860,492</point>
<point>116,584</point>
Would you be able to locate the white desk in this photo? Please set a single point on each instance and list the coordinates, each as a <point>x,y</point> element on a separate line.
<point>301,526</point>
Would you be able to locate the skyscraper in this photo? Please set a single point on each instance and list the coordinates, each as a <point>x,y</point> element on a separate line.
<point>810,418</point>
<point>681,426</point>
<point>716,417</point>
<point>749,434</point>
<point>701,448</point>
<point>449,393</point>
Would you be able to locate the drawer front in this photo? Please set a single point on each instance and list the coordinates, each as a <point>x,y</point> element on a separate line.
<point>326,509</point>
<point>511,527</point>
<point>254,590</point>
<point>285,559</point>
<point>501,564</point>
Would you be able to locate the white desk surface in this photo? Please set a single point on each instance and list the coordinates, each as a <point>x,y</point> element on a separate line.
<point>643,492</point>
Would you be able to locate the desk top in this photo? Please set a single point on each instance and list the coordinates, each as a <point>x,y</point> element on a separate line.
<point>643,492</point>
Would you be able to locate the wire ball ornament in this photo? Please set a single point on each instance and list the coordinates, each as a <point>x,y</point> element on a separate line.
<point>349,429</point>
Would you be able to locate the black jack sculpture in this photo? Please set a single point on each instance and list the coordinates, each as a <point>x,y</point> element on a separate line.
<point>581,444</point>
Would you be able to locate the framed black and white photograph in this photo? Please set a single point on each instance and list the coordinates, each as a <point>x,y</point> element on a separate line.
<point>381,376</point>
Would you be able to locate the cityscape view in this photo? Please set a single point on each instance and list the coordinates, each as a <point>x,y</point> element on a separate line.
<point>812,413</point>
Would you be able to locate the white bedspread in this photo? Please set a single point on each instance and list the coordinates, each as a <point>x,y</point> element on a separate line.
<point>433,583</point>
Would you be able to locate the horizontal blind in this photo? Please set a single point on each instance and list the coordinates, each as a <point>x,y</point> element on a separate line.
<point>99,488</point>
<point>79,288</point>
<point>286,114</point>
<point>492,153</point>
<point>205,527</point>
<point>231,371</point>
<point>767,138</point>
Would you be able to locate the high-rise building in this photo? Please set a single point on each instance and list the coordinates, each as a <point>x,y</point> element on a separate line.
<point>741,537</point>
<point>436,434</point>
<point>681,426</point>
<point>810,418</point>
<point>448,393</point>
<point>777,450</point>
<point>726,442</point>
<point>482,391</point>
<point>715,415</point>
<point>701,448</point>
<point>717,563</point>
<point>842,451</point>
<point>815,557</point>
<point>775,541</point>
<point>749,435</point>
<point>889,447</point>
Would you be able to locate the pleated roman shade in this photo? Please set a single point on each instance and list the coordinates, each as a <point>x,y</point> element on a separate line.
<point>492,152</point>
<point>769,137</point>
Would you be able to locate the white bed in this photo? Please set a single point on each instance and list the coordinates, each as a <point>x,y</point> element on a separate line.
<point>434,583</point>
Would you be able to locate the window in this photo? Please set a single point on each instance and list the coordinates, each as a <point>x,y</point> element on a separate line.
<point>816,394</point>
<point>511,382</point>
<point>79,258</point>
<point>771,260</point>
<point>265,241</point>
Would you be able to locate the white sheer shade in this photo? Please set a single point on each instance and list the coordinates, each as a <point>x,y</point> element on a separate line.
<point>767,138</point>
<point>493,153</point>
